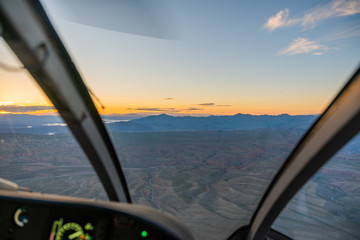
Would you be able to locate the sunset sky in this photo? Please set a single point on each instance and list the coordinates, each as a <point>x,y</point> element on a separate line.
<point>208,57</point>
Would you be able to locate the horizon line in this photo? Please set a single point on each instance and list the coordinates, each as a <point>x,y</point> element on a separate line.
<point>146,114</point>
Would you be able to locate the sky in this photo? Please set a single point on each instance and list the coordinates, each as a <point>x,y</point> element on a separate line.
<point>199,57</point>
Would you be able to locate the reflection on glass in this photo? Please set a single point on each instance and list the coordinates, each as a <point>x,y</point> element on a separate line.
<point>327,207</point>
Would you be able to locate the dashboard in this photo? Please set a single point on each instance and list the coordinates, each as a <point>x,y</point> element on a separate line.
<point>35,216</point>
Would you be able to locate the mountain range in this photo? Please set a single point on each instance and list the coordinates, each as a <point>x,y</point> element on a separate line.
<point>30,124</point>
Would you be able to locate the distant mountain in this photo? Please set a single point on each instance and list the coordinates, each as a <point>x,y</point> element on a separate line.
<point>129,126</point>
<point>129,116</point>
<point>165,122</point>
<point>19,120</point>
<point>30,124</point>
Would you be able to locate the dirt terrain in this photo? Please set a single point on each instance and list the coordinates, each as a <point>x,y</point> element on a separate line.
<point>211,180</point>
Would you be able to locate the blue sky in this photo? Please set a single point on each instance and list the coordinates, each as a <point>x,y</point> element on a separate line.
<point>258,57</point>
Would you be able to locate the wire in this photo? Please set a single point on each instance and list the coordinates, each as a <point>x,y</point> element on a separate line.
<point>11,68</point>
<point>96,98</point>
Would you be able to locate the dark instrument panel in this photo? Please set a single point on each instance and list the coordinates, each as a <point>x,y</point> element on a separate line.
<point>50,217</point>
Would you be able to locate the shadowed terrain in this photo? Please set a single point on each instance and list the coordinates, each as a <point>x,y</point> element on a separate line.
<point>211,180</point>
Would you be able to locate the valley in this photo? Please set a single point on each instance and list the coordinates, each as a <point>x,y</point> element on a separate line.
<point>210,180</point>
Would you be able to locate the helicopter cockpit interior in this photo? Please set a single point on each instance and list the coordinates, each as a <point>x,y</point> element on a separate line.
<point>32,37</point>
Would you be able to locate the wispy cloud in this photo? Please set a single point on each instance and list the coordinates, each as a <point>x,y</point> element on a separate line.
<point>303,45</point>
<point>314,16</point>
<point>206,104</point>
<point>194,109</point>
<point>352,31</point>
<point>24,109</point>
<point>169,98</point>
<point>335,8</point>
<point>6,103</point>
<point>213,105</point>
<point>318,53</point>
<point>154,109</point>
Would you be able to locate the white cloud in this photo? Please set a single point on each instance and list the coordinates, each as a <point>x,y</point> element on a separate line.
<point>303,45</point>
<point>281,19</point>
<point>311,18</point>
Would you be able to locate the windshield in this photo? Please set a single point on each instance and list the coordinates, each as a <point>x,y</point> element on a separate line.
<point>37,151</point>
<point>327,207</point>
<point>205,100</point>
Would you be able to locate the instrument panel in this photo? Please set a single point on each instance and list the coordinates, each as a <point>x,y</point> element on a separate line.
<point>50,217</point>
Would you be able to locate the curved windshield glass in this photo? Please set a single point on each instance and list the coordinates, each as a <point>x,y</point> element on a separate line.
<point>205,100</point>
<point>327,207</point>
<point>37,151</point>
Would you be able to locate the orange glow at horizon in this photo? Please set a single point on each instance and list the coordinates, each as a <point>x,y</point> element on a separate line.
<point>179,109</point>
<point>20,89</point>
<point>216,110</point>
<point>38,113</point>
<point>192,83</point>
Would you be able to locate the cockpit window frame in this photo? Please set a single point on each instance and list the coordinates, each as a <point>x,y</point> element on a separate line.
<point>333,129</point>
<point>29,33</point>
